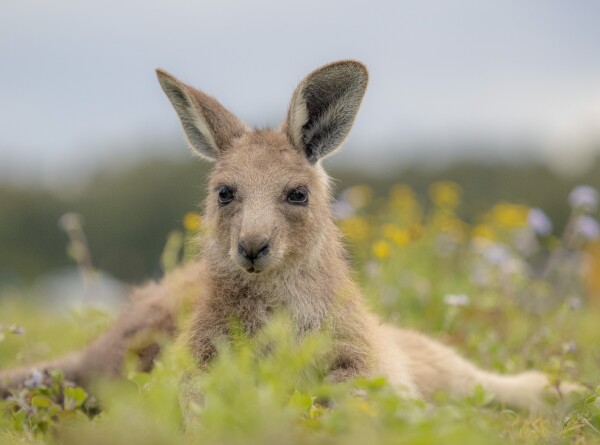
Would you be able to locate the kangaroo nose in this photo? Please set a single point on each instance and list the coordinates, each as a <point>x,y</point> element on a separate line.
<point>253,248</point>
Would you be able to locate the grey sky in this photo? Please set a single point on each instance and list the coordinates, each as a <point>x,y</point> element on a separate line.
<point>77,79</point>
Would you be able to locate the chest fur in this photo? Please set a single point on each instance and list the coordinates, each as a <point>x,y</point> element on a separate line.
<point>235,304</point>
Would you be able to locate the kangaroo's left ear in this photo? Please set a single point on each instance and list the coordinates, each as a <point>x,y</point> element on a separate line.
<point>324,106</point>
<point>208,126</point>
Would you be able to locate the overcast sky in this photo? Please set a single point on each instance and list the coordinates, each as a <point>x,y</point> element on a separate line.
<point>77,82</point>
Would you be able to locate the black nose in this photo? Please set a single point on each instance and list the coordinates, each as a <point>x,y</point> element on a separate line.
<point>253,248</point>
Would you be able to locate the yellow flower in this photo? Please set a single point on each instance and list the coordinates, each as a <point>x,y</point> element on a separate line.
<point>510,216</point>
<point>358,196</point>
<point>397,235</point>
<point>191,221</point>
<point>402,196</point>
<point>445,193</point>
<point>484,231</point>
<point>381,249</point>
<point>366,408</point>
<point>592,272</point>
<point>355,228</point>
<point>403,201</point>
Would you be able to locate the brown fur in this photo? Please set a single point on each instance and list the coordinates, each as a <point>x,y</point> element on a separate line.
<point>304,269</point>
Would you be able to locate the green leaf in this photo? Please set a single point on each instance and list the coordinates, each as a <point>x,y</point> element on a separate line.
<point>77,395</point>
<point>300,400</point>
<point>480,397</point>
<point>41,401</point>
<point>19,418</point>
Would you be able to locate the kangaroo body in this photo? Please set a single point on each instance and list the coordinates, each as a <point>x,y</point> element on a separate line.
<point>271,243</point>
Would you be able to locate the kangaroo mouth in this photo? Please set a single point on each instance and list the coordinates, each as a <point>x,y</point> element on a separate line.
<point>252,267</point>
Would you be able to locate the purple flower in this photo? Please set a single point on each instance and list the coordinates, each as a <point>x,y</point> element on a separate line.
<point>496,254</point>
<point>587,227</point>
<point>17,330</point>
<point>569,348</point>
<point>539,222</point>
<point>584,197</point>
<point>342,209</point>
<point>35,380</point>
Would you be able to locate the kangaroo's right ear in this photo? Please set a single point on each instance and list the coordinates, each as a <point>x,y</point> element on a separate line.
<point>324,106</point>
<point>209,127</point>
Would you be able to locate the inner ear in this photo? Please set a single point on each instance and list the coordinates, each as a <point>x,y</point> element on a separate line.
<point>324,106</point>
<point>208,126</point>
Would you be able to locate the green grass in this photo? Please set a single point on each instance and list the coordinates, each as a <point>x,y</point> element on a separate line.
<point>505,315</point>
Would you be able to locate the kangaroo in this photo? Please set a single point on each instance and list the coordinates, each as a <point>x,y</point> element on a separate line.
<point>272,243</point>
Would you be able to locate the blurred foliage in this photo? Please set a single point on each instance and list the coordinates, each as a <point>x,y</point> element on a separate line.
<point>127,216</point>
<point>129,213</point>
<point>502,288</point>
<point>46,399</point>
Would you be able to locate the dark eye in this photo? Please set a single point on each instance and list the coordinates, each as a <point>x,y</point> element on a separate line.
<point>298,196</point>
<point>226,195</point>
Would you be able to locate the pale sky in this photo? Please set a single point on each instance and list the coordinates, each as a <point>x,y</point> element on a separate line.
<point>78,89</point>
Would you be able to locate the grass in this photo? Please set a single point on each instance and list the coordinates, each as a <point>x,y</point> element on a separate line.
<point>506,293</point>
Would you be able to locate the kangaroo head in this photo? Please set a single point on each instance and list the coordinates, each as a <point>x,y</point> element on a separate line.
<point>268,197</point>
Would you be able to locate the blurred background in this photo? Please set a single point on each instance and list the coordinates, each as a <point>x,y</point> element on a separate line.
<point>502,98</point>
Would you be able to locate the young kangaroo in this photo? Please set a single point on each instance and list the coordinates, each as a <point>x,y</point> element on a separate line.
<point>271,243</point>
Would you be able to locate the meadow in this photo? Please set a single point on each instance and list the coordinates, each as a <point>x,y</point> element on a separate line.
<point>508,290</point>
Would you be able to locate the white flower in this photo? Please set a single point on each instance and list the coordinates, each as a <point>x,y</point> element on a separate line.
<point>514,266</point>
<point>587,227</point>
<point>372,268</point>
<point>481,275</point>
<point>584,197</point>
<point>70,221</point>
<point>17,330</point>
<point>575,303</point>
<point>456,299</point>
<point>539,222</point>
